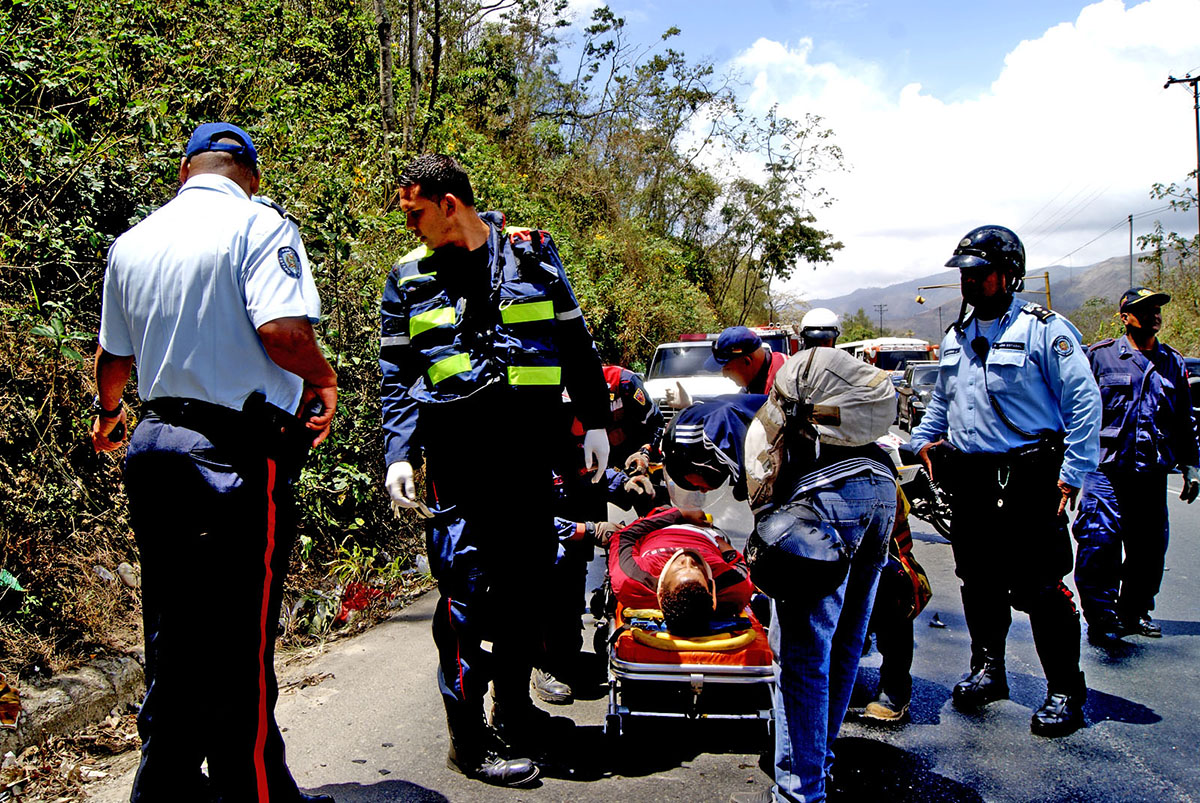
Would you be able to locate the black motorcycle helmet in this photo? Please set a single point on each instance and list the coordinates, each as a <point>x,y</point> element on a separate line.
<point>992,247</point>
<point>685,458</point>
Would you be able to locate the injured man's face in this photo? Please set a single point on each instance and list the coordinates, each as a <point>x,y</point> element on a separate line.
<point>687,595</point>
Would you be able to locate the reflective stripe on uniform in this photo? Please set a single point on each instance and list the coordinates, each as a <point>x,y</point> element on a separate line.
<point>416,255</point>
<point>442,316</point>
<point>404,279</point>
<point>449,366</point>
<point>570,314</point>
<point>529,311</point>
<point>534,375</point>
<point>394,340</point>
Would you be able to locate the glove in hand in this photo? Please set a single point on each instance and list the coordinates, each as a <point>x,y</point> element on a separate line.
<point>1191,483</point>
<point>400,486</point>
<point>595,452</point>
<point>640,485</point>
<point>602,533</point>
<point>637,463</point>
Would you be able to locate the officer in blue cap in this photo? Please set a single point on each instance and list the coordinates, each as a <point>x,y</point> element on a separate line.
<point>212,297</point>
<point>1018,411</point>
<point>1147,430</point>
<point>481,333</point>
<point>742,357</point>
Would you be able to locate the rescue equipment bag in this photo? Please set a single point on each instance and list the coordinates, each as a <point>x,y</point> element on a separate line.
<point>823,394</point>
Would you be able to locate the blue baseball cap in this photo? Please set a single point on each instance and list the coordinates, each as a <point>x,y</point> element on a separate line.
<point>207,135</point>
<point>1144,296</point>
<point>736,341</point>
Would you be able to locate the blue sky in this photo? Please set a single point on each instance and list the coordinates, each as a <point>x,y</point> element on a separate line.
<point>1049,117</point>
<point>954,49</point>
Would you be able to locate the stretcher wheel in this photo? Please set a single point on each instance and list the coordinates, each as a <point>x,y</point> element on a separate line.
<point>612,727</point>
<point>600,642</point>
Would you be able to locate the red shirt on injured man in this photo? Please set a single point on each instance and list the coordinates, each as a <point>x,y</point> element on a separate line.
<point>638,553</point>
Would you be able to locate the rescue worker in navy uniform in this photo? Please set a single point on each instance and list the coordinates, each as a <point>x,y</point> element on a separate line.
<point>1147,430</point>
<point>480,333</point>
<point>742,357</point>
<point>582,505</point>
<point>1016,404</point>
<point>212,297</point>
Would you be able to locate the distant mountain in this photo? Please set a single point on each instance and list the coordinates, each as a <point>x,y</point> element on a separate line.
<point>1070,287</point>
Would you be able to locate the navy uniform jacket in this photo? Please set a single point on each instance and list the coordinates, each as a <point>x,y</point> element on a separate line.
<point>446,335</point>
<point>1040,379</point>
<point>1148,421</point>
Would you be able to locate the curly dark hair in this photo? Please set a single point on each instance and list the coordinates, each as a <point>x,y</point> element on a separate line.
<point>687,608</point>
<point>437,175</point>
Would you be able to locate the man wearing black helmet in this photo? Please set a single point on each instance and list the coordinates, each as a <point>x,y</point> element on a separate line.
<point>1015,415</point>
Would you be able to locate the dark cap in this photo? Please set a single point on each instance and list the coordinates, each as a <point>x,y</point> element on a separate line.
<point>207,135</point>
<point>1143,296</point>
<point>736,341</point>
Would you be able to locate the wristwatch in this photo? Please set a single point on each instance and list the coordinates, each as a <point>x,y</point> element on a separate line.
<point>100,411</point>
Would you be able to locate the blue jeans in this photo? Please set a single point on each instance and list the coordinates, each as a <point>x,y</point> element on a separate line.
<point>818,642</point>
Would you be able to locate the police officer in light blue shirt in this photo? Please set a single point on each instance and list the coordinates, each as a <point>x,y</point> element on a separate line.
<point>1015,419</point>
<point>212,298</point>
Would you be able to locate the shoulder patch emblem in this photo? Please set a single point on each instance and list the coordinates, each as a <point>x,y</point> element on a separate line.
<point>1063,346</point>
<point>289,261</point>
<point>639,397</point>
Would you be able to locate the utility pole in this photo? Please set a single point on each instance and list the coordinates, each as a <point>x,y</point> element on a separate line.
<point>1188,79</point>
<point>881,308</point>
<point>1131,250</point>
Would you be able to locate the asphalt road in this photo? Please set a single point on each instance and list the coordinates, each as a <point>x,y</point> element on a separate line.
<point>372,728</point>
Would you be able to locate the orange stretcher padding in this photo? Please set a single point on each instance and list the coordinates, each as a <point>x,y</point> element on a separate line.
<point>757,653</point>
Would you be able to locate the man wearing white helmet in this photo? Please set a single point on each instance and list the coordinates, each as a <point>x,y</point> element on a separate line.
<point>820,327</point>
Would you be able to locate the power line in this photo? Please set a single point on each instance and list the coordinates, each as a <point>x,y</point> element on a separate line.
<point>1119,224</point>
<point>1046,224</point>
<point>1034,216</point>
<point>1082,206</point>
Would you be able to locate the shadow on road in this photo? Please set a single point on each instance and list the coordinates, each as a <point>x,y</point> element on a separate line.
<point>869,770</point>
<point>1174,627</point>
<point>649,746</point>
<point>400,791</point>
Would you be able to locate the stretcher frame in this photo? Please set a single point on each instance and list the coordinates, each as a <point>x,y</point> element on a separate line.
<point>695,677</point>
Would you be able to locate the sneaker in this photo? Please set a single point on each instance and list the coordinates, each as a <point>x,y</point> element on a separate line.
<point>1142,626</point>
<point>761,796</point>
<point>550,689</point>
<point>884,710</point>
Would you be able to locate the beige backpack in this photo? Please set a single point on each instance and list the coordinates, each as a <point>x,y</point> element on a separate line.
<point>837,398</point>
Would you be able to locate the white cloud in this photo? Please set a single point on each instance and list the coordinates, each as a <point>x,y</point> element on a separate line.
<point>1065,142</point>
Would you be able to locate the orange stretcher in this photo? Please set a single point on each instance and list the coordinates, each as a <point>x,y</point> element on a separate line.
<point>725,675</point>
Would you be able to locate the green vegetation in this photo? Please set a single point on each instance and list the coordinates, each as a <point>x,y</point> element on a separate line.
<point>673,209</point>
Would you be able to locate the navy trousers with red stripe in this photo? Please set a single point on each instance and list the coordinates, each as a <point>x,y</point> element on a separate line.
<point>214,524</point>
<point>493,546</point>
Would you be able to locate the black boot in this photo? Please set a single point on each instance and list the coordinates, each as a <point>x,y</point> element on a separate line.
<point>986,683</point>
<point>1062,713</point>
<point>525,728</point>
<point>475,753</point>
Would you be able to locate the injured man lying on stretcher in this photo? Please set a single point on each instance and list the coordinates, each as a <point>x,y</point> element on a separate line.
<point>676,561</point>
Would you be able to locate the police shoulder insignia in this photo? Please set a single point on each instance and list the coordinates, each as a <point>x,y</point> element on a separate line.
<point>289,261</point>
<point>1063,346</point>
<point>639,397</point>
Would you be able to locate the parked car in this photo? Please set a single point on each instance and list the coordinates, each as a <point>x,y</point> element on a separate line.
<point>915,391</point>
<point>1193,372</point>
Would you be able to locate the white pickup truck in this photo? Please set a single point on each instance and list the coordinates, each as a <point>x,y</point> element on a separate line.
<point>686,362</point>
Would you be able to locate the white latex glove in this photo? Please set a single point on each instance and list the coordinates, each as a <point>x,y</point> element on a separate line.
<point>400,486</point>
<point>595,452</point>
<point>678,398</point>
